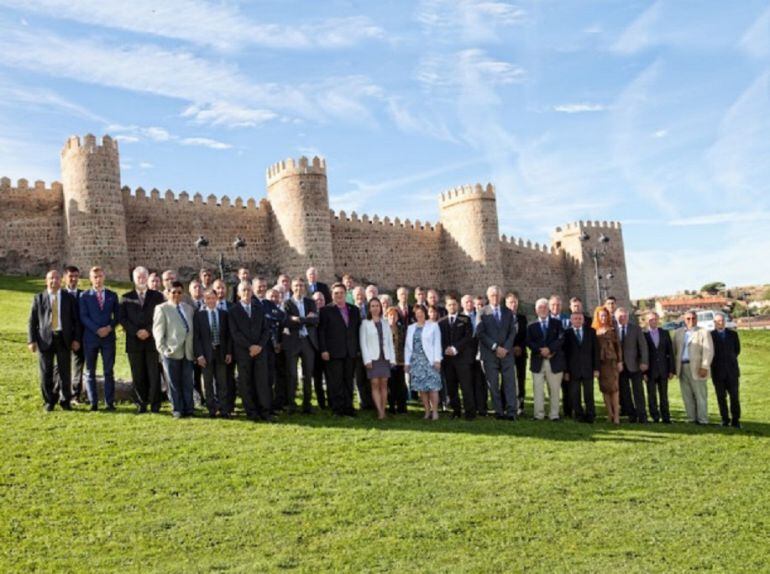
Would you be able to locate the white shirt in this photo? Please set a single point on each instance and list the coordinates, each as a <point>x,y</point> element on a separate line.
<point>58,307</point>
<point>301,306</point>
<point>688,335</point>
<point>452,319</point>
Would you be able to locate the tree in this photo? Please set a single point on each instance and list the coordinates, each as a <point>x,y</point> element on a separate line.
<point>713,288</point>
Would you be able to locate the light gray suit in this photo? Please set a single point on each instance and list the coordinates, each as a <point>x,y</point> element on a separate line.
<point>493,334</point>
<point>174,340</point>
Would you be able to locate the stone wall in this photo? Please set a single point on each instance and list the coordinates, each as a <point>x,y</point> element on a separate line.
<point>161,231</point>
<point>388,253</point>
<point>533,270</point>
<point>31,221</point>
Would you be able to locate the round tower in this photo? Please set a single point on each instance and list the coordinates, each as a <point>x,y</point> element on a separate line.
<point>470,238</point>
<point>299,199</point>
<point>94,218</point>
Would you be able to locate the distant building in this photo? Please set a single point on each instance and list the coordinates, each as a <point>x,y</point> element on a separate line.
<point>681,304</point>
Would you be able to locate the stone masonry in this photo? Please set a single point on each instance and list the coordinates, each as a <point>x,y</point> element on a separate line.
<point>89,219</point>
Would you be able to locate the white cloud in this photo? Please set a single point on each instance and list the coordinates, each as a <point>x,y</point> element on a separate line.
<point>476,21</point>
<point>216,24</point>
<point>408,122</point>
<point>39,100</point>
<point>435,71</point>
<point>205,142</point>
<point>579,108</point>
<point>227,114</point>
<point>641,33</point>
<point>756,40</point>
<point>146,165</point>
<point>658,134</point>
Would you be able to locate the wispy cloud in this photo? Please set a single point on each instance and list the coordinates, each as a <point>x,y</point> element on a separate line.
<point>640,34</point>
<point>579,108</point>
<point>228,114</point>
<point>205,142</point>
<point>220,25</point>
<point>756,40</point>
<point>35,99</point>
<point>408,122</point>
<point>133,134</point>
<point>472,20</point>
<point>441,71</point>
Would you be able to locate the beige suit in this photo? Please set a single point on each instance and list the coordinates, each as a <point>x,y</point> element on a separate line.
<point>172,340</point>
<point>693,386</point>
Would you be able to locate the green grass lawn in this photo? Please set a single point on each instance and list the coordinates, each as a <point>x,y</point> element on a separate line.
<point>97,492</point>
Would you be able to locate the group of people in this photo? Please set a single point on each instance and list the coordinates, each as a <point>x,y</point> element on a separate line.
<point>343,339</point>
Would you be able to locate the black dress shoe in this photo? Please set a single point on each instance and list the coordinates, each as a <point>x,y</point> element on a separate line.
<point>500,417</point>
<point>511,418</point>
<point>455,415</point>
<point>725,424</point>
<point>94,407</point>
<point>49,407</point>
<point>66,406</point>
<point>269,418</point>
<point>141,409</point>
<point>307,410</point>
<point>351,413</point>
<point>736,425</point>
<point>470,417</point>
<point>110,407</point>
<point>225,416</point>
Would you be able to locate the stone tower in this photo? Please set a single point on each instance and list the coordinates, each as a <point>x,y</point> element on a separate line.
<point>471,242</point>
<point>298,195</point>
<point>581,266</point>
<point>94,218</point>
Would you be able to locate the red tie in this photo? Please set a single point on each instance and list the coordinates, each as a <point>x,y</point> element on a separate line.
<point>100,300</point>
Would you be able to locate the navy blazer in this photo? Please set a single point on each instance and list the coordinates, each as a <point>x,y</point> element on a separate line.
<point>661,357</point>
<point>92,318</point>
<point>554,340</point>
<point>202,342</point>
<point>246,331</point>
<point>725,362</point>
<point>582,357</point>
<point>336,338</point>
<point>134,317</point>
<point>291,338</point>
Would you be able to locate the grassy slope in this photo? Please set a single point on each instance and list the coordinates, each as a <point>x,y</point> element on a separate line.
<point>98,492</point>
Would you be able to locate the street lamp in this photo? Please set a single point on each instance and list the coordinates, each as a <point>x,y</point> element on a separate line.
<point>599,251</point>
<point>224,266</point>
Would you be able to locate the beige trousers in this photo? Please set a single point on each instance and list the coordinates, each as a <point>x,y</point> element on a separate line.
<point>539,381</point>
<point>694,395</point>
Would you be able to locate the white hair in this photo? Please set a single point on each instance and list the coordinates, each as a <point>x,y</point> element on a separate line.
<point>540,302</point>
<point>492,288</point>
<point>138,270</point>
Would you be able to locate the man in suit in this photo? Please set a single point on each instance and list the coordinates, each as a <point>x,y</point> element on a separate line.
<point>99,315</point>
<point>250,333</point>
<point>496,332</point>
<point>168,277</point>
<point>319,370</point>
<point>243,274</point>
<point>206,277</point>
<point>315,286</point>
<point>576,306</point>
<point>555,309</point>
<point>725,373</point>
<point>473,309</point>
<point>172,328</point>
<point>545,339</point>
<point>661,369</point>
<point>581,350</point>
<point>432,298</point>
<point>519,350</point>
<point>300,341</point>
<point>339,345</point>
<point>78,360</point>
<point>223,303</point>
<point>371,292</point>
<point>137,310</point>
<point>459,354</point>
<point>611,304</point>
<point>404,310</point>
<point>213,353</point>
<point>693,353</point>
<point>275,317</point>
<point>636,359</point>
<point>53,331</point>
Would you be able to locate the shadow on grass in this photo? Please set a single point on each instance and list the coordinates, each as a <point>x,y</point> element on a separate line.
<point>565,430</point>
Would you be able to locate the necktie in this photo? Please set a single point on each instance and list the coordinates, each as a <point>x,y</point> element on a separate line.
<point>184,319</point>
<point>247,308</point>
<point>141,298</point>
<point>451,321</point>
<point>100,300</point>
<point>623,334</point>
<point>544,328</point>
<point>579,333</point>
<point>55,313</point>
<point>214,328</point>
<point>497,314</point>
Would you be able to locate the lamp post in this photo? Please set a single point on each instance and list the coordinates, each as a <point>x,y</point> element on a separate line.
<point>224,266</point>
<point>598,252</point>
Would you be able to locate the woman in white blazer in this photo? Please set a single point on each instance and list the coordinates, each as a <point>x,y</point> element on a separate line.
<point>377,353</point>
<point>422,359</point>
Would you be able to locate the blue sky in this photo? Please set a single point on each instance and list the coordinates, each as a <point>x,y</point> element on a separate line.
<point>656,114</point>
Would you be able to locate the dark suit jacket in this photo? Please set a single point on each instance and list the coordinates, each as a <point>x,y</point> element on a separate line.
<point>521,334</point>
<point>554,340</point>
<point>582,358</point>
<point>276,319</point>
<point>635,350</point>
<point>93,318</point>
<point>39,324</point>
<point>725,362</point>
<point>490,333</point>
<point>291,339</point>
<point>661,357</point>
<point>459,336</point>
<point>202,346</point>
<point>134,317</point>
<point>336,338</point>
<point>245,331</point>
<point>323,288</point>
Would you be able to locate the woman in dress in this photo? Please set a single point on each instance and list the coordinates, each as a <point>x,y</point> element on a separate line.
<point>610,362</point>
<point>377,353</point>
<point>422,359</point>
<point>397,391</point>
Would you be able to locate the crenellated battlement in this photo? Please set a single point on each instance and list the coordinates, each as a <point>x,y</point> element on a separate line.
<point>89,145</point>
<point>510,242</point>
<point>465,193</point>
<point>38,186</point>
<point>579,225</point>
<point>289,166</point>
<point>183,200</point>
<point>367,223</point>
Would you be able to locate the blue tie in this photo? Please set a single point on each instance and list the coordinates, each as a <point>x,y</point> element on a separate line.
<point>544,328</point>
<point>214,328</point>
<point>497,314</point>
<point>579,333</point>
<point>184,319</point>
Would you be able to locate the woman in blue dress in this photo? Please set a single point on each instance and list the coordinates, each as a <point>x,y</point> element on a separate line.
<point>422,360</point>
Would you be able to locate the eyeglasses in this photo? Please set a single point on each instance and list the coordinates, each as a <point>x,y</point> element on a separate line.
<point>176,292</point>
